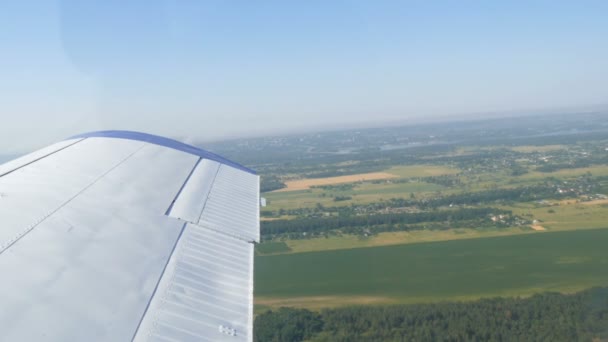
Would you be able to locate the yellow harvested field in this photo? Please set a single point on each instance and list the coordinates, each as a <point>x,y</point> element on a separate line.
<point>319,302</point>
<point>303,184</point>
<point>538,227</point>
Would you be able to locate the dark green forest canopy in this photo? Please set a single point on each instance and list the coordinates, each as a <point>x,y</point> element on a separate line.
<point>545,317</point>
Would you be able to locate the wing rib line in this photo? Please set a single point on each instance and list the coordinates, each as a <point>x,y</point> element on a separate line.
<point>159,279</point>
<point>23,233</point>
<point>182,187</point>
<point>44,156</point>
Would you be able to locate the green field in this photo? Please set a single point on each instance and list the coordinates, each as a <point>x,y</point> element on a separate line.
<point>408,171</point>
<point>568,215</point>
<point>447,270</point>
<point>272,248</point>
<point>349,241</point>
<point>364,192</point>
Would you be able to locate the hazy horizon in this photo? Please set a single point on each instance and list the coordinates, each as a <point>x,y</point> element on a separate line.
<point>214,71</point>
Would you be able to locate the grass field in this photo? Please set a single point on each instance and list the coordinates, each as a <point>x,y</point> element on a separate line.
<point>410,171</point>
<point>303,184</point>
<point>539,148</point>
<point>361,194</point>
<point>272,248</point>
<point>394,189</point>
<point>299,199</point>
<point>388,238</point>
<point>566,173</point>
<point>517,265</point>
<point>502,178</point>
<point>568,215</point>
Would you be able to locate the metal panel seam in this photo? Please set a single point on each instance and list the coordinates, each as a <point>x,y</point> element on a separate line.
<point>251,291</point>
<point>183,186</point>
<point>44,156</point>
<point>257,210</point>
<point>208,194</point>
<point>19,236</point>
<point>159,280</point>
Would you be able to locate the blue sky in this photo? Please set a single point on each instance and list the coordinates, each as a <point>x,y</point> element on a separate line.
<point>203,70</point>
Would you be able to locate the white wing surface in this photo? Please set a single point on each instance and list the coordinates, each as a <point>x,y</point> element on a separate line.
<point>119,236</point>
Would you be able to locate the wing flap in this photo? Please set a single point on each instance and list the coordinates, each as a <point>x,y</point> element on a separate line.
<point>232,206</point>
<point>205,291</point>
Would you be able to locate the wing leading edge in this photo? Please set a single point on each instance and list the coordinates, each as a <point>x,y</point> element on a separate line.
<point>127,236</point>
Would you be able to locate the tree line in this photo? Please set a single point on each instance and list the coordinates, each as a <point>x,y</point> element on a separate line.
<point>543,317</point>
<point>379,222</point>
<point>270,183</point>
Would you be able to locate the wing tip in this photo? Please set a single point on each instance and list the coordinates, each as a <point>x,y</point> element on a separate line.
<point>162,141</point>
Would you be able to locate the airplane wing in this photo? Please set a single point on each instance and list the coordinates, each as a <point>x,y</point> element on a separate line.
<point>120,236</point>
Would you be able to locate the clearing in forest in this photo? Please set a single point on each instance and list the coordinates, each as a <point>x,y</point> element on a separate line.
<point>303,184</point>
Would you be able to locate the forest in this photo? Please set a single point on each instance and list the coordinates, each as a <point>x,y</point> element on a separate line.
<point>581,316</point>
